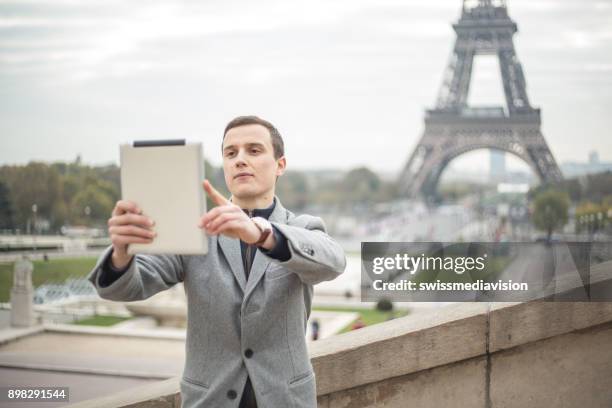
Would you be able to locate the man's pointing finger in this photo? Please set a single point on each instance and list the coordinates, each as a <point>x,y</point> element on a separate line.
<point>214,195</point>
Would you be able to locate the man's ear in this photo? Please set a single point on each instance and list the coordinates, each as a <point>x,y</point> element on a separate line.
<point>281,165</point>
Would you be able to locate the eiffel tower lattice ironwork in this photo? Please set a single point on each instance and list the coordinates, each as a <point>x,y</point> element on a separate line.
<point>453,128</point>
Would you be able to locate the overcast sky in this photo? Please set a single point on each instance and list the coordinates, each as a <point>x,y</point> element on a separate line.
<point>345,81</point>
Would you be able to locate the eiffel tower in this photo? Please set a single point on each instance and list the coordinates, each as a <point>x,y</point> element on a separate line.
<point>454,128</point>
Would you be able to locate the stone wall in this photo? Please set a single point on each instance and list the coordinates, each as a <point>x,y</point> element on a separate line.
<point>505,355</point>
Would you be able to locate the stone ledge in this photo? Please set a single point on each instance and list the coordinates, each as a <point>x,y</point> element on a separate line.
<point>162,394</point>
<point>10,334</point>
<point>572,370</point>
<point>83,370</point>
<point>180,334</point>
<point>512,325</point>
<point>400,346</point>
<point>461,384</point>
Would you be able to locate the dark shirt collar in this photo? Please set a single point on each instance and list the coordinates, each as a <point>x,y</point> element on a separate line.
<point>263,212</point>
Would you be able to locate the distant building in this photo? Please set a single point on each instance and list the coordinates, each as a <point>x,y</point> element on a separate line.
<point>594,165</point>
<point>497,165</point>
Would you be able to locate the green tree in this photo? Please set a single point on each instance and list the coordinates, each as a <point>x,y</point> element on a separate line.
<point>91,205</point>
<point>550,211</point>
<point>292,189</point>
<point>361,185</point>
<point>384,305</point>
<point>35,183</point>
<point>7,211</point>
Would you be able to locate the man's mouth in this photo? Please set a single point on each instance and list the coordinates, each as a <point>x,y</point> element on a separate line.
<point>243,175</point>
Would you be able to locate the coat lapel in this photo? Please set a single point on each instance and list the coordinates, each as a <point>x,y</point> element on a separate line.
<point>231,249</point>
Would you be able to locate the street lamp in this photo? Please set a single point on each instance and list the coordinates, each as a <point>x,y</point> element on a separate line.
<point>34,211</point>
<point>87,213</point>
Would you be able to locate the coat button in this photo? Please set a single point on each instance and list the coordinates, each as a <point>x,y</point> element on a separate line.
<point>248,353</point>
<point>231,394</point>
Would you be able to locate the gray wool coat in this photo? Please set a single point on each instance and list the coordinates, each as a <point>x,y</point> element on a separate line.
<point>237,328</point>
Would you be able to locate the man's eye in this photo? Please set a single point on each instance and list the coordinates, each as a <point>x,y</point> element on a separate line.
<point>229,154</point>
<point>254,151</point>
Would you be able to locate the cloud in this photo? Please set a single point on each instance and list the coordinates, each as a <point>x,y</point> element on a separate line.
<point>552,5</point>
<point>587,39</point>
<point>598,67</point>
<point>108,43</point>
<point>119,68</point>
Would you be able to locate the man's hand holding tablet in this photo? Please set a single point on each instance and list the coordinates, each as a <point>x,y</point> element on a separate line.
<point>128,225</point>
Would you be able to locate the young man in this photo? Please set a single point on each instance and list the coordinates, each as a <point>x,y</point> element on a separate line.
<point>249,298</point>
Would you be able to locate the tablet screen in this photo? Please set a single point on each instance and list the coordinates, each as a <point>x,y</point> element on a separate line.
<point>166,183</point>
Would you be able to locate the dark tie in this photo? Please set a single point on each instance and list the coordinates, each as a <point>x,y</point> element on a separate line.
<point>248,396</point>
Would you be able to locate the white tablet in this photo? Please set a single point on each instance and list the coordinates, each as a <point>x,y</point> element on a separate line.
<point>164,177</point>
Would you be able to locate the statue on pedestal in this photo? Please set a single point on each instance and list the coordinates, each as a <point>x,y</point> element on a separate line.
<point>22,308</point>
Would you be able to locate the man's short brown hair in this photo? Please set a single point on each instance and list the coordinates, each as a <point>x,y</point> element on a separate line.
<point>277,140</point>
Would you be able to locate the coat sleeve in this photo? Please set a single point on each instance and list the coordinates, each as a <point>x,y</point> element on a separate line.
<point>315,256</point>
<point>145,276</point>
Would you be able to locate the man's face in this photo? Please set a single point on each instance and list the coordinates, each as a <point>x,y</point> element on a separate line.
<point>248,161</point>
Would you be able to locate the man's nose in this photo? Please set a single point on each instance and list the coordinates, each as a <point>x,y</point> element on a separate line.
<point>240,161</point>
